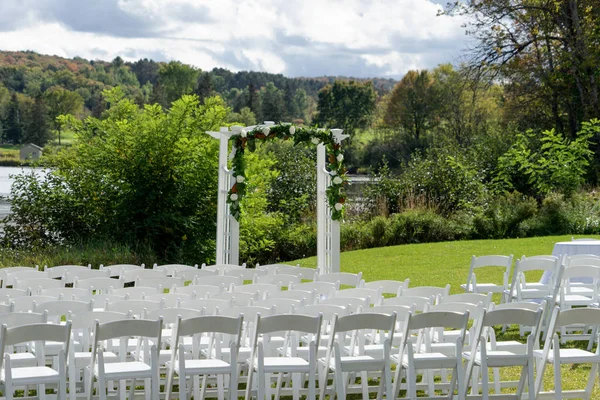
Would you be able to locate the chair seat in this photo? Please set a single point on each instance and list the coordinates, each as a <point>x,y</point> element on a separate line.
<point>302,352</point>
<point>206,366</point>
<point>431,360</point>
<point>32,375</point>
<point>483,288</point>
<point>125,370</point>
<point>357,363</point>
<point>284,364</point>
<point>499,358</point>
<point>50,348</point>
<point>571,356</point>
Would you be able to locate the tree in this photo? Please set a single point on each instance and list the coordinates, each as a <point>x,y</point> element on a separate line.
<point>143,177</point>
<point>245,117</point>
<point>61,101</point>
<point>204,88</point>
<point>273,106</point>
<point>37,126</point>
<point>14,121</point>
<point>146,71</point>
<point>253,101</point>
<point>347,105</point>
<point>177,79</point>
<point>412,104</point>
<point>547,53</point>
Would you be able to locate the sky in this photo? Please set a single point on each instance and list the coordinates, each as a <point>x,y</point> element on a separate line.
<point>358,38</point>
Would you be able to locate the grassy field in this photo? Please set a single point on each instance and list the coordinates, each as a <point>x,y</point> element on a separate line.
<point>9,152</point>
<point>437,264</point>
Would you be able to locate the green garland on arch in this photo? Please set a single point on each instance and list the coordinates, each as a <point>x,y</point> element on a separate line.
<point>246,141</point>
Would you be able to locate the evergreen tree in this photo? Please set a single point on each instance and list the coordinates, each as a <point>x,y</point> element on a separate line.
<point>14,123</point>
<point>205,86</point>
<point>37,128</point>
<point>253,102</point>
<point>273,107</point>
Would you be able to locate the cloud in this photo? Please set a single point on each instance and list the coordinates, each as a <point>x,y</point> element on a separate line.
<point>308,38</point>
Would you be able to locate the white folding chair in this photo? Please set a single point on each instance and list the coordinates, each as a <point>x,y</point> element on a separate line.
<point>136,307</point>
<point>423,356</point>
<point>222,332</point>
<point>122,370</point>
<point>79,359</point>
<point>209,306</point>
<point>58,309</point>
<point>135,292</point>
<point>4,272</point>
<point>199,291</point>
<point>30,273</point>
<point>170,300</point>
<point>19,355</point>
<point>344,363</point>
<point>282,306</point>
<point>353,304</point>
<point>282,280</point>
<point>264,289</point>
<point>553,354</point>
<point>7,294</point>
<point>471,298</point>
<point>419,304</point>
<point>34,284</point>
<point>307,297</point>
<point>117,269</point>
<point>426,291</point>
<point>323,289</point>
<point>219,280</point>
<point>158,282</point>
<point>238,299</point>
<point>67,293</point>
<point>99,284</point>
<point>13,377</point>
<point>288,361</point>
<point>222,268</point>
<point>342,278</point>
<point>246,274</point>
<point>388,286</point>
<point>307,273</point>
<point>485,354</point>
<point>521,289</point>
<point>130,275</point>
<point>28,303</point>
<point>171,269</point>
<point>272,268</point>
<point>188,275</point>
<point>84,273</point>
<point>58,271</point>
<point>503,263</point>
<point>375,295</point>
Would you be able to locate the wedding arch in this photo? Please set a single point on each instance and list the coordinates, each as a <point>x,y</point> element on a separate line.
<point>331,179</point>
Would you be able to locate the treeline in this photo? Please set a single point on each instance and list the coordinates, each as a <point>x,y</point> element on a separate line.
<point>35,89</point>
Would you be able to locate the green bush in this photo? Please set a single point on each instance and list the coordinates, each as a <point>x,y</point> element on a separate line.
<point>503,217</point>
<point>141,177</point>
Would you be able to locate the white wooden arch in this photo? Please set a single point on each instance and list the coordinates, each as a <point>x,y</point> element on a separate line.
<point>228,228</point>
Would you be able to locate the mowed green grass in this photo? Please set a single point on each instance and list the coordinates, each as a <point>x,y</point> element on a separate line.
<point>9,152</point>
<point>438,264</point>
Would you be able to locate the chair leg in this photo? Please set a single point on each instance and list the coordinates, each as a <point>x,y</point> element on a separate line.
<point>9,390</point>
<point>557,380</point>
<point>132,388</point>
<point>182,387</point>
<point>364,382</point>
<point>485,391</point>
<point>591,380</point>
<point>233,386</point>
<point>196,386</point>
<point>311,386</point>
<point>496,372</point>
<point>42,392</point>
<point>72,382</point>
<point>220,387</point>
<point>278,385</point>
<point>411,380</point>
<point>296,379</point>
<point>101,388</point>
<point>340,382</point>
<point>530,379</point>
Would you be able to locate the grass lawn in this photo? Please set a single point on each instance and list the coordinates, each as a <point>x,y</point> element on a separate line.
<point>9,152</point>
<point>437,264</point>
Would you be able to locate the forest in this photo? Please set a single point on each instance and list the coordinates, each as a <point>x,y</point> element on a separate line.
<point>505,143</point>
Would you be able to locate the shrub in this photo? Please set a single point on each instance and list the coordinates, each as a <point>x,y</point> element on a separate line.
<point>503,217</point>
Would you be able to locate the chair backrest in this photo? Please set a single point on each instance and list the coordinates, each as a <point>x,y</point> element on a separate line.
<point>135,292</point>
<point>191,274</point>
<point>209,306</point>
<point>282,280</point>
<point>327,310</point>
<point>61,308</point>
<point>222,268</point>
<point>582,259</point>
<point>353,304</point>
<point>420,303</point>
<point>438,319</point>
<point>426,291</point>
<point>528,305</point>
<point>388,286</point>
<point>136,307</point>
<point>344,278</point>
<point>30,273</point>
<point>262,288</point>
<point>535,263</point>
<point>171,269</point>
<point>155,281</point>
<point>199,291</point>
<point>99,284</point>
<point>84,273</point>
<point>308,297</point>
<point>281,305</point>
<point>324,289</point>
<point>87,320</point>
<point>578,316</point>
<point>170,299</point>
<point>7,294</point>
<point>170,315</point>
<point>8,270</point>
<point>272,268</point>
<point>226,281</point>
<point>39,332</point>
<point>365,321</point>
<point>247,274</point>
<point>58,272</point>
<point>307,273</point>
<point>117,269</point>
<point>23,318</point>
<point>130,275</point>
<point>36,283</point>
<point>240,298</point>
<point>125,329</point>
<point>472,298</point>
<point>374,295</point>
<point>28,303</point>
<point>67,293</point>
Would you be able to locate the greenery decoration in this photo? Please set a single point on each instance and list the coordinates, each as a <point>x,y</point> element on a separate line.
<point>246,140</point>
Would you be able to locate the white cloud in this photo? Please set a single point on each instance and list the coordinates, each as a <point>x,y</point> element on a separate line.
<point>350,37</point>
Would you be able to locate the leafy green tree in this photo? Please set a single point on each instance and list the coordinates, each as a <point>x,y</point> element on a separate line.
<point>301,104</point>
<point>273,106</point>
<point>14,121</point>
<point>413,104</point>
<point>144,177</point>
<point>347,105</point>
<point>62,101</point>
<point>177,79</point>
<point>244,117</point>
<point>204,87</point>
<point>146,71</point>
<point>253,100</point>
